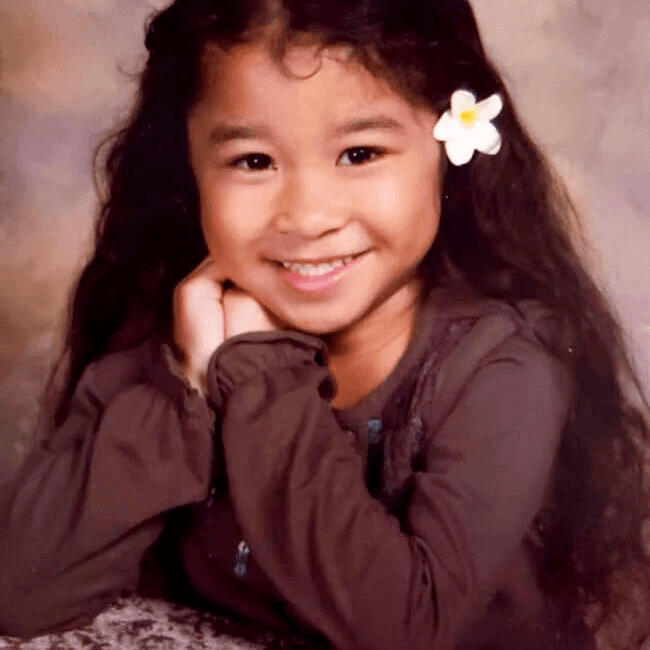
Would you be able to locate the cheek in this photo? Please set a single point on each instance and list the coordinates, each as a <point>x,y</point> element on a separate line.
<point>227,220</point>
<point>214,224</point>
<point>426,202</point>
<point>389,196</point>
<point>408,208</point>
<point>385,204</point>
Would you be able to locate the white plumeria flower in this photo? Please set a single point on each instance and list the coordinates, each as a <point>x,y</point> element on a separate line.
<point>467,127</point>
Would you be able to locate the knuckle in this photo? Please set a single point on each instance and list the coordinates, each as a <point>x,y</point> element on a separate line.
<point>235,297</point>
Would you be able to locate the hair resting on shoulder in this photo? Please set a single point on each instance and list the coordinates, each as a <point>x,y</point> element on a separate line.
<point>508,230</point>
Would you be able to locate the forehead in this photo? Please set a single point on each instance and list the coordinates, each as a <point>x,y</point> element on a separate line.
<point>246,80</point>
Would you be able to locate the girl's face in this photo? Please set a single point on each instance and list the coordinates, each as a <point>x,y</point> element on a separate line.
<point>332,175</point>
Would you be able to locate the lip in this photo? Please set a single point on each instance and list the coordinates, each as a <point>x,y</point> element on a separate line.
<point>311,283</point>
<point>320,260</point>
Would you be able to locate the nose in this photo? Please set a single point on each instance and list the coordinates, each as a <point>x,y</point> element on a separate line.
<point>309,205</point>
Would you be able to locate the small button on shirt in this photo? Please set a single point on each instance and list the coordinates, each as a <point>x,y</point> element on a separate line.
<point>374,430</point>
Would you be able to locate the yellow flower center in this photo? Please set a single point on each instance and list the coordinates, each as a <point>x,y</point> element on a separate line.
<point>468,117</point>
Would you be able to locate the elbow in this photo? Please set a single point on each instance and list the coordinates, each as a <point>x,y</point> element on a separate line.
<point>18,615</point>
<point>22,602</point>
<point>14,625</point>
<point>28,614</point>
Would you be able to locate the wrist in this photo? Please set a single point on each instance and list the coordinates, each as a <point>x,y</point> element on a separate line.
<point>197,381</point>
<point>245,356</point>
<point>179,364</point>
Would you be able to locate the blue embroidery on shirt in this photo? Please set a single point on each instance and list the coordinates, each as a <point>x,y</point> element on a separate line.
<point>243,553</point>
<point>374,428</point>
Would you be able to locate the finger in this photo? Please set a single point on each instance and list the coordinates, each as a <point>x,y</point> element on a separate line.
<point>205,278</point>
<point>234,296</point>
<point>243,313</point>
<point>208,268</point>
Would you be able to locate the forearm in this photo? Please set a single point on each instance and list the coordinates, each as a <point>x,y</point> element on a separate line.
<point>87,504</point>
<point>347,566</point>
<point>332,550</point>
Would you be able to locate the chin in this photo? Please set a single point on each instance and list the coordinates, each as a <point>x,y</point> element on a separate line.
<point>309,327</point>
<point>314,319</point>
<point>316,327</point>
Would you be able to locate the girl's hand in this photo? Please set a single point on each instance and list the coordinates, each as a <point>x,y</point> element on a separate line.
<point>199,320</point>
<point>205,316</point>
<point>244,314</point>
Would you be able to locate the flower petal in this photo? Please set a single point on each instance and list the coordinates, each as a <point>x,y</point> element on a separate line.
<point>489,108</point>
<point>486,138</point>
<point>461,100</point>
<point>460,151</point>
<point>447,128</point>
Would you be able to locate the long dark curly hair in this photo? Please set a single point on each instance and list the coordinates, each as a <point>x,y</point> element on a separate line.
<point>508,230</point>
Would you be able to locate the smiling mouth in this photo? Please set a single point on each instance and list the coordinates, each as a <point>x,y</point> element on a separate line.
<point>318,268</point>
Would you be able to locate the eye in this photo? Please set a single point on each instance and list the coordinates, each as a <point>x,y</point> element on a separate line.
<point>253,162</point>
<point>360,155</point>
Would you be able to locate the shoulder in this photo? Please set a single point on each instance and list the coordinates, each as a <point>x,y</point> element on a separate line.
<point>116,381</point>
<point>482,324</point>
<point>112,373</point>
<point>147,371</point>
<point>486,341</point>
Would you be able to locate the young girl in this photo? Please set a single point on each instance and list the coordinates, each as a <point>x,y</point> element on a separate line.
<point>335,365</point>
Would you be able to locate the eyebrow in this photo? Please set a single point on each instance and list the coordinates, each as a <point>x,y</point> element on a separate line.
<point>222,133</point>
<point>373,123</point>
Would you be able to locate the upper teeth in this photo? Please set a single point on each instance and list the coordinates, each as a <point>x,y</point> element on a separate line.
<point>317,269</point>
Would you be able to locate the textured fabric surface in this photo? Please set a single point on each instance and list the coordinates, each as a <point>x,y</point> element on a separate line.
<point>140,623</point>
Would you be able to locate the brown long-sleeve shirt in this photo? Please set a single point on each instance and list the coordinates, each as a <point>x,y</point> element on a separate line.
<point>405,522</point>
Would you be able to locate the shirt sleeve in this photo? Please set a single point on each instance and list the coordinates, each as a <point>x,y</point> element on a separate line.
<point>91,497</point>
<point>346,566</point>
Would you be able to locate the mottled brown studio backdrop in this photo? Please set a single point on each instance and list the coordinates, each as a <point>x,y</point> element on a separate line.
<point>580,70</point>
